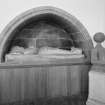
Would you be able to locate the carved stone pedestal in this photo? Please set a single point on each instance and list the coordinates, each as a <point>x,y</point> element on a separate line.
<point>97,72</point>
<point>97,85</point>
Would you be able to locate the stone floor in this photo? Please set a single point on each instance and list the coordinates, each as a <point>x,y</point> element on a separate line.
<point>52,101</point>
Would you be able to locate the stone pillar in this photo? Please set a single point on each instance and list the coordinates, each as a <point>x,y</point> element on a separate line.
<point>97,73</point>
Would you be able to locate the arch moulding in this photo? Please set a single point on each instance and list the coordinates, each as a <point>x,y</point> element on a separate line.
<point>6,34</point>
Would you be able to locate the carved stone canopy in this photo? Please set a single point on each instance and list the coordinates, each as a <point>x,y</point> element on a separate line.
<point>75,30</point>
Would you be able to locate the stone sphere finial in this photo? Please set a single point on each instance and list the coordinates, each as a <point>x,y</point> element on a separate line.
<point>99,37</point>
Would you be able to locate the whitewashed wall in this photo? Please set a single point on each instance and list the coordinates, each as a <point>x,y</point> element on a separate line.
<point>90,12</point>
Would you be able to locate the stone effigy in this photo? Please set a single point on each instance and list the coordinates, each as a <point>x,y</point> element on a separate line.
<point>21,54</point>
<point>97,73</point>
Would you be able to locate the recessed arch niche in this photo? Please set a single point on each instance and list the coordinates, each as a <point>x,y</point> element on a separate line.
<point>51,15</point>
